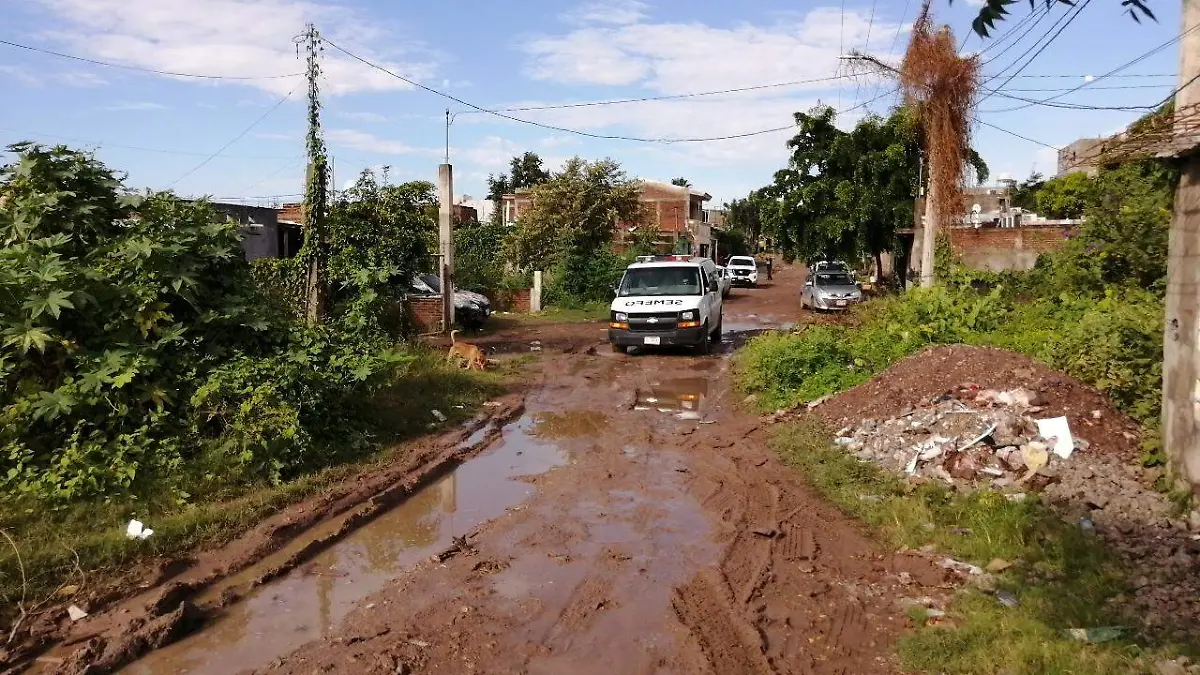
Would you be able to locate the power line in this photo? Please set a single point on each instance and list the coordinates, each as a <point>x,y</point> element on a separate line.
<point>145,70</point>
<point>103,144</point>
<point>1019,31</point>
<point>1013,133</point>
<point>667,97</point>
<point>1127,64</point>
<point>552,127</point>
<point>1069,18</point>
<point>899,26</point>
<point>235,138</point>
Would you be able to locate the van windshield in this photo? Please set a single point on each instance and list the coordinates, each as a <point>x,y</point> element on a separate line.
<point>660,281</point>
<point>741,260</point>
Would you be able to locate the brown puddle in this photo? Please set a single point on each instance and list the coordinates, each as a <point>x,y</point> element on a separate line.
<point>574,424</point>
<point>682,395</point>
<point>311,600</point>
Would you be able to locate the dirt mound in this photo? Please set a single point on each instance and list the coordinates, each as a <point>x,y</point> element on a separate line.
<point>940,370</point>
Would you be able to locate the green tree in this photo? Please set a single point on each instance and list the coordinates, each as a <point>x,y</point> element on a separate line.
<point>680,182</point>
<point>1025,194</point>
<point>524,171</point>
<point>1064,197</point>
<point>380,236</point>
<point>571,222</point>
<point>844,193</point>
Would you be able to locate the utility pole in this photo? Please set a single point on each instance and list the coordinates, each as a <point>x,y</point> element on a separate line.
<point>1181,358</point>
<point>929,233</point>
<point>316,194</point>
<point>446,241</point>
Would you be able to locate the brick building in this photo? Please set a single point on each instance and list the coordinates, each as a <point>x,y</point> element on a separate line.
<point>678,212</point>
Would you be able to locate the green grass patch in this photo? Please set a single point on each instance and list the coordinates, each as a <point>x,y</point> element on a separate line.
<point>583,312</point>
<point>49,541</point>
<point>1062,576</point>
<point>1112,341</point>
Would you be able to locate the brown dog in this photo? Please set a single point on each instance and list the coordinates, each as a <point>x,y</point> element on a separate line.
<point>464,351</point>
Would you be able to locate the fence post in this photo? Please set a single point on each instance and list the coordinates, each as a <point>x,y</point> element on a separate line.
<point>535,295</point>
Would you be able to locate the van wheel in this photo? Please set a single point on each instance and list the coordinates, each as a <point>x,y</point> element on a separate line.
<point>705,346</point>
<point>620,349</point>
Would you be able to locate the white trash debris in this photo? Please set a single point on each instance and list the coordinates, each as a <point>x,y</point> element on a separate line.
<point>76,613</point>
<point>137,530</point>
<point>438,415</point>
<point>959,566</point>
<point>1058,430</point>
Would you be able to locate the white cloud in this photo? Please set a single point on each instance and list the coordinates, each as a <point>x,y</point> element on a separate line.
<point>1045,161</point>
<point>237,38</point>
<point>618,12</point>
<point>678,58</point>
<point>82,79</point>
<point>33,79</point>
<point>22,75</point>
<point>363,116</point>
<point>135,106</point>
<point>361,140</point>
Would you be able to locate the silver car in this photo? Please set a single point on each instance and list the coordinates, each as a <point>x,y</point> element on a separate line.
<point>833,290</point>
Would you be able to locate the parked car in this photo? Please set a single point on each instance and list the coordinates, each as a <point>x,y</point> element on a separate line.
<point>833,290</point>
<point>725,281</point>
<point>830,266</point>
<point>471,310</point>
<point>743,270</point>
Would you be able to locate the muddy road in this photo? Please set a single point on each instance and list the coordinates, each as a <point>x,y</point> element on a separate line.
<point>631,520</point>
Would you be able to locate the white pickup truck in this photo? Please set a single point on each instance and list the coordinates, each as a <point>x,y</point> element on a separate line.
<point>743,270</point>
<point>664,301</point>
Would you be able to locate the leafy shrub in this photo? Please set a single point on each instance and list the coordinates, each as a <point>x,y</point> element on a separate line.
<point>134,342</point>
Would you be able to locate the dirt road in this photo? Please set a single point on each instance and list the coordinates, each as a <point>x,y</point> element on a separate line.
<point>632,520</point>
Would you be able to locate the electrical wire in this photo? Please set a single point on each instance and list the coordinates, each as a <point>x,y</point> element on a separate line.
<point>1020,31</point>
<point>552,127</point>
<point>667,97</point>
<point>1127,64</point>
<point>1069,19</point>
<point>899,26</point>
<point>1013,133</point>
<point>235,139</point>
<point>144,70</point>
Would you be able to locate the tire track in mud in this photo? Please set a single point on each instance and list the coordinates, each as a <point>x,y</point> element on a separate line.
<point>799,587</point>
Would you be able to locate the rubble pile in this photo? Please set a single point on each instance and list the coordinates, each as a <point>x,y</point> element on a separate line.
<point>975,438</point>
<point>967,437</point>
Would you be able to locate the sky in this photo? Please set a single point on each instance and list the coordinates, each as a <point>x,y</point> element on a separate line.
<point>243,139</point>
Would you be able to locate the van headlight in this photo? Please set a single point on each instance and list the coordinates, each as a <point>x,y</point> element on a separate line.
<point>620,317</point>
<point>689,315</point>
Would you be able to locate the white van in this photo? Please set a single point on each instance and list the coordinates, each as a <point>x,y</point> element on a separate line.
<point>667,300</point>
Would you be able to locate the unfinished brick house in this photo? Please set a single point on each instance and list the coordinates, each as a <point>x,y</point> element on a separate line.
<point>678,212</point>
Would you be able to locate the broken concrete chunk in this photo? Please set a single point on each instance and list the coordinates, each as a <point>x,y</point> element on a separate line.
<point>76,613</point>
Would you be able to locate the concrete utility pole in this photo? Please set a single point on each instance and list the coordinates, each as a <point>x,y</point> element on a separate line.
<point>1181,359</point>
<point>929,235</point>
<point>446,241</point>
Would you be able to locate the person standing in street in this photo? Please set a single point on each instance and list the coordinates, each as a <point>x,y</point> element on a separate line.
<point>770,264</point>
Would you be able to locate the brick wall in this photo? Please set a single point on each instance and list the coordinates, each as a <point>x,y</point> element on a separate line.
<point>511,301</point>
<point>425,314</point>
<point>1004,248</point>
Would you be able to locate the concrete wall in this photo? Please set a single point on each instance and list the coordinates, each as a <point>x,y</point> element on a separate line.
<point>259,226</point>
<point>1008,248</point>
